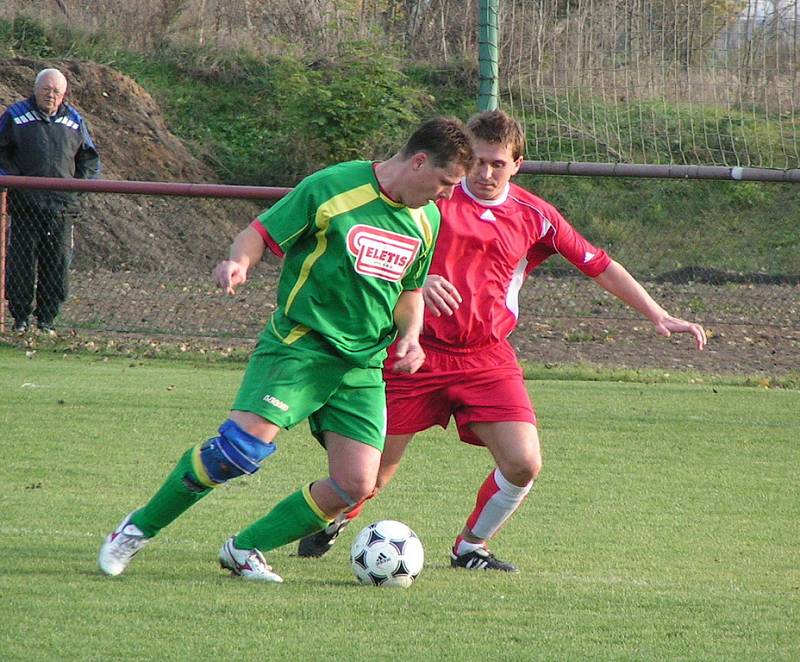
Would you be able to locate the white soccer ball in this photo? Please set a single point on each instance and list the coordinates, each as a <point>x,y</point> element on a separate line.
<point>387,553</point>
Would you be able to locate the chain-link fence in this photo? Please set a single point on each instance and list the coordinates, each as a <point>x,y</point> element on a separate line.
<point>139,272</point>
<point>37,256</point>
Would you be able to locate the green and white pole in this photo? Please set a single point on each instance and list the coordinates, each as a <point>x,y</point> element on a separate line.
<point>488,55</point>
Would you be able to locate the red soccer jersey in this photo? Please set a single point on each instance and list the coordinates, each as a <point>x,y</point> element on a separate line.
<point>487,248</point>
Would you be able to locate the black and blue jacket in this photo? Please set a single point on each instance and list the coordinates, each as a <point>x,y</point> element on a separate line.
<point>37,145</point>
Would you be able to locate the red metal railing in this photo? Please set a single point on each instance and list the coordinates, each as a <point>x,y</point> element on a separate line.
<point>182,189</point>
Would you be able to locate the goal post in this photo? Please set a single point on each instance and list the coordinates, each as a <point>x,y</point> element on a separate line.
<point>690,84</point>
<point>488,55</point>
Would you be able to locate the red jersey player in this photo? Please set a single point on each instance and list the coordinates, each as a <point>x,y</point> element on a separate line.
<point>493,234</point>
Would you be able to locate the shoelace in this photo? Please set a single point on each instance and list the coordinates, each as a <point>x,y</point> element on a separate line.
<point>127,546</point>
<point>256,559</point>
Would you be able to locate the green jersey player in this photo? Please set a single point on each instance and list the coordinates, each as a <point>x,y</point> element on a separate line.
<point>356,240</point>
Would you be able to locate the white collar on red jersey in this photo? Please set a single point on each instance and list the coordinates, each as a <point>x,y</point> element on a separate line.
<point>486,203</point>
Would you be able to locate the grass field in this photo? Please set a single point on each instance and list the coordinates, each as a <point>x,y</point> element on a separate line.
<point>665,526</point>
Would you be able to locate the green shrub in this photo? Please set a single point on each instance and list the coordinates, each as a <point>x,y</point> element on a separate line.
<point>24,36</point>
<point>359,105</point>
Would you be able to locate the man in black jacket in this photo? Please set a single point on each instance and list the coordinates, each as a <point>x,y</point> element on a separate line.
<point>42,136</point>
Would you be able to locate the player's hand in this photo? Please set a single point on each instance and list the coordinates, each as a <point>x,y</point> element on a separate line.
<point>440,296</point>
<point>409,356</point>
<point>669,325</point>
<point>228,275</point>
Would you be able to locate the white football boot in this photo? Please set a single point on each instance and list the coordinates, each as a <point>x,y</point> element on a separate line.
<point>120,546</point>
<point>246,563</point>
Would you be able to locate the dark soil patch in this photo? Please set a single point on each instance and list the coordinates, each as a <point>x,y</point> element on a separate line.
<point>125,231</point>
<point>753,329</point>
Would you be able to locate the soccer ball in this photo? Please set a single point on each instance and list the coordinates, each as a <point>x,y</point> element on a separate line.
<point>387,553</point>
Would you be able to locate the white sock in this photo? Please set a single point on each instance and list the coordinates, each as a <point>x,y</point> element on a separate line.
<point>496,502</point>
<point>465,547</point>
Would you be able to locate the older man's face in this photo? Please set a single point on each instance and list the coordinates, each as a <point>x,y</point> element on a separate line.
<point>50,93</point>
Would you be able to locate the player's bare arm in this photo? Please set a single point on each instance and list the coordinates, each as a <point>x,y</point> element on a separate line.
<point>408,315</point>
<point>247,249</point>
<point>625,287</point>
<point>440,296</point>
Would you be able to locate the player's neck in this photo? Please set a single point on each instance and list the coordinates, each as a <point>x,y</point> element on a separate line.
<point>389,176</point>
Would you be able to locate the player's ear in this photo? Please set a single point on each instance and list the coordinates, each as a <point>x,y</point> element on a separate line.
<point>517,166</point>
<point>418,160</point>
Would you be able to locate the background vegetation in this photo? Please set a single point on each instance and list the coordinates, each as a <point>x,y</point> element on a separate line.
<point>269,119</point>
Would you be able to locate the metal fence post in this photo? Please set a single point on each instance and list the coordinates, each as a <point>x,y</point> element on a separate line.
<point>3,240</point>
<point>488,57</point>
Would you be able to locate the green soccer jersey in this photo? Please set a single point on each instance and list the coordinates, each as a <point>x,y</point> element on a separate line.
<point>349,252</point>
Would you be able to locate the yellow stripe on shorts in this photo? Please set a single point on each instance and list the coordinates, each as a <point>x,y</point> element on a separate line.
<point>297,332</point>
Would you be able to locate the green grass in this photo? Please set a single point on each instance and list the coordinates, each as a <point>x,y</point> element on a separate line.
<point>664,526</point>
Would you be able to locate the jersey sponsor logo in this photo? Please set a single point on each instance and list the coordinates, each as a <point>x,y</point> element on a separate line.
<point>280,404</point>
<point>380,253</point>
<point>488,216</point>
<point>587,256</point>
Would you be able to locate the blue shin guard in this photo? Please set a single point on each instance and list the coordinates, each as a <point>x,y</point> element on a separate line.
<point>231,454</point>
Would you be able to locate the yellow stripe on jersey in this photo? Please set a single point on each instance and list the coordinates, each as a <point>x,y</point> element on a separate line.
<point>419,216</point>
<point>423,223</point>
<point>338,204</point>
<point>313,504</point>
<point>390,202</point>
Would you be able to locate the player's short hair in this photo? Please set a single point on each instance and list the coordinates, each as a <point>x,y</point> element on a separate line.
<point>445,140</point>
<point>495,127</point>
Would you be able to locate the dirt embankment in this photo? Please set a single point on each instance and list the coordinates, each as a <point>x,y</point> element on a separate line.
<point>134,232</point>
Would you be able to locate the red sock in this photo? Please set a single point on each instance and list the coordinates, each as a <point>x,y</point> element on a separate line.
<point>496,501</point>
<point>355,511</point>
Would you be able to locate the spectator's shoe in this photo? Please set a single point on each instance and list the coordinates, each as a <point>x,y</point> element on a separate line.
<point>46,328</point>
<point>480,559</point>
<point>20,327</point>
<point>246,563</point>
<point>319,543</point>
<point>120,546</point>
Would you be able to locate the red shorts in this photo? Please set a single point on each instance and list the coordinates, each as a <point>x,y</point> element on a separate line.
<point>485,386</point>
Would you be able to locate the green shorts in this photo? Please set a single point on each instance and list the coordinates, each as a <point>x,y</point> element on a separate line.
<point>288,383</point>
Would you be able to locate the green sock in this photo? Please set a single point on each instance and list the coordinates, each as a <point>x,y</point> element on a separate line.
<point>291,519</point>
<point>175,496</point>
